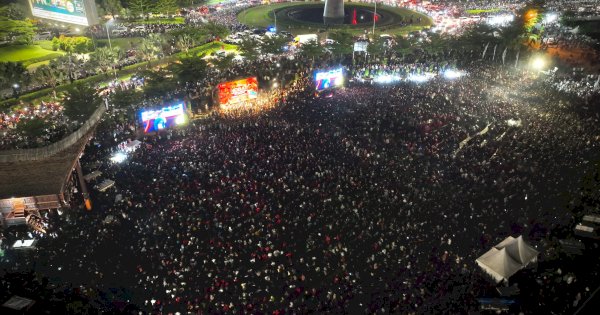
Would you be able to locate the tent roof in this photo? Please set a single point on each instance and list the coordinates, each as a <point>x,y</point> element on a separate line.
<point>518,250</point>
<point>498,263</point>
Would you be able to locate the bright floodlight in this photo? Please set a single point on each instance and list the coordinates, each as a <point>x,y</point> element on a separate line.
<point>500,20</point>
<point>538,63</point>
<point>419,78</point>
<point>453,74</point>
<point>550,18</point>
<point>118,157</point>
<point>180,120</point>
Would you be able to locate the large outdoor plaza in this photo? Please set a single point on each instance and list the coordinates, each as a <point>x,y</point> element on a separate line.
<point>308,157</point>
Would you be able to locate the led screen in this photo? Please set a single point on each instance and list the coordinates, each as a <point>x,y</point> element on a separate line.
<point>329,79</point>
<point>238,91</point>
<point>80,12</point>
<point>166,117</point>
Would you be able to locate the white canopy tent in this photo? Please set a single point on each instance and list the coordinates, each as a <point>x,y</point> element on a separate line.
<point>506,258</point>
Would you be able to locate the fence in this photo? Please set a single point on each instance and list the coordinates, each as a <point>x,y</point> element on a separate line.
<point>52,149</point>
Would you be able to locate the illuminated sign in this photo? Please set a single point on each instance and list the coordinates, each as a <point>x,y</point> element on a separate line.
<point>154,120</point>
<point>238,91</point>
<point>329,79</point>
<point>80,12</point>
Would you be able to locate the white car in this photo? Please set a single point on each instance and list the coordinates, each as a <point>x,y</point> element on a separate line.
<point>44,36</point>
<point>119,31</point>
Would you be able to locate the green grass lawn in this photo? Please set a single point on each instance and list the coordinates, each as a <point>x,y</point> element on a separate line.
<point>262,17</point>
<point>173,20</point>
<point>35,65</point>
<point>46,44</point>
<point>479,11</point>
<point>27,54</point>
<point>213,2</point>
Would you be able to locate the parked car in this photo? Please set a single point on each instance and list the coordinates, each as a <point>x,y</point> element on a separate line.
<point>119,30</point>
<point>43,36</point>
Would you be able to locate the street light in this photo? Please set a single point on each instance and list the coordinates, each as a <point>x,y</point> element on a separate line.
<point>15,90</point>
<point>109,22</point>
<point>538,64</point>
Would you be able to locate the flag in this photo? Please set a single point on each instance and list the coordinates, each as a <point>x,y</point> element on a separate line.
<point>494,55</point>
<point>517,61</point>
<point>504,55</point>
<point>485,50</point>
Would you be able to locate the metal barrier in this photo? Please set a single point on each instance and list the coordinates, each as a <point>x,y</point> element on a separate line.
<point>52,149</point>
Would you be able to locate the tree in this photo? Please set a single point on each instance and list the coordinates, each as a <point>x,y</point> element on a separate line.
<point>343,43</point>
<point>311,50</point>
<point>157,83</point>
<point>140,7</point>
<point>81,100</point>
<point>223,63</point>
<point>151,46</point>
<point>510,36</point>
<point>214,30</point>
<point>111,7</point>
<point>125,99</point>
<point>273,44</point>
<point>105,58</point>
<point>168,7</point>
<point>403,45</point>
<point>196,34</point>
<point>49,74</point>
<point>72,44</point>
<point>528,19</point>
<point>477,36</point>
<point>189,69</point>
<point>249,47</point>
<point>19,32</point>
<point>184,42</point>
<point>377,47</point>
<point>11,73</point>
<point>68,63</point>
<point>435,43</point>
<point>12,12</point>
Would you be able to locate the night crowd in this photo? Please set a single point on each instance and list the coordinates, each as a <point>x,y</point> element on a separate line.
<point>365,201</point>
<point>376,198</point>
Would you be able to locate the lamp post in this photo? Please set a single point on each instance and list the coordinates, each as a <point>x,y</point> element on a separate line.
<point>15,90</point>
<point>374,18</point>
<point>109,22</point>
<point>108,31</point>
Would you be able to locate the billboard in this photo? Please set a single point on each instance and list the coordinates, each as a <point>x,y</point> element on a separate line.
<point>80,12</point>
<point>166,117</point>
<point>238,91</point>
<point>329,79</point>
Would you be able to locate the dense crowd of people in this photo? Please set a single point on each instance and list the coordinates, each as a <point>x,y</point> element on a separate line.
<point>376,198</point>
<point>15,136</point>
<point>369,200</point>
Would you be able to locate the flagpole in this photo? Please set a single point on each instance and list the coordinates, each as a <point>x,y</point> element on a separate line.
<point>374,17</point>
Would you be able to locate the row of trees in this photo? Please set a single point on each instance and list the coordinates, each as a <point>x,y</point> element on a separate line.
<point>137,8</point>
<point>14,27</point>
<point>103,59</point>
<point>73,44</point>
